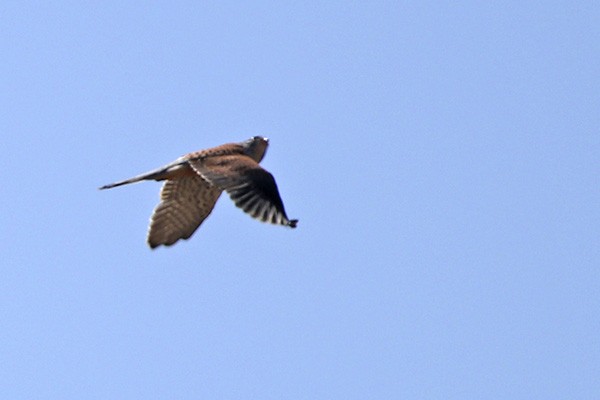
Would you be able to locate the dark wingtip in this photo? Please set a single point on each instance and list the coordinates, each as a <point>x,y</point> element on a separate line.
<point>293,223</point>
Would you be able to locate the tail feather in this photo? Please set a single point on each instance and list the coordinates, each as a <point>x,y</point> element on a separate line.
<point>178,166</point>
<point>157,175</point>
<point>121,183</point>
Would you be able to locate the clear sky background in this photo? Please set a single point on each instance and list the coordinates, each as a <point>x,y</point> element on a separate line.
<point>442,158</point>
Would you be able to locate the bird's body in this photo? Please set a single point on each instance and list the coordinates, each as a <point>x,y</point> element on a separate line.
<point>195,181</point>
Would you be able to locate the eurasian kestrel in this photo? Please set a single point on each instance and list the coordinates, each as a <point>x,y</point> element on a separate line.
<point>195,181</point>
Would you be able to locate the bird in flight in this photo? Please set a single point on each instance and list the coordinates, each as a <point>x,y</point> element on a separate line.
<point>195,181</point>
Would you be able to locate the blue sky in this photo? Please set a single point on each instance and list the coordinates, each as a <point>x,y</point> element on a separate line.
<point>442,158</point>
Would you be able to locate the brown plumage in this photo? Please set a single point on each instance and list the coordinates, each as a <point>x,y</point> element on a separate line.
<point>195,181</point>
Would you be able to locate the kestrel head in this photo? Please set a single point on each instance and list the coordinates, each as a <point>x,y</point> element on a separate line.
<point>256,147</point>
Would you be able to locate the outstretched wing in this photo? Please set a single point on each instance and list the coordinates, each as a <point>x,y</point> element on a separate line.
<point>185,202</point>
<point>251,188</point>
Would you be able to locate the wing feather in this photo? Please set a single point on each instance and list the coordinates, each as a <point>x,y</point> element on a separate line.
<point>252,188</point>
<point>185,203</point>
